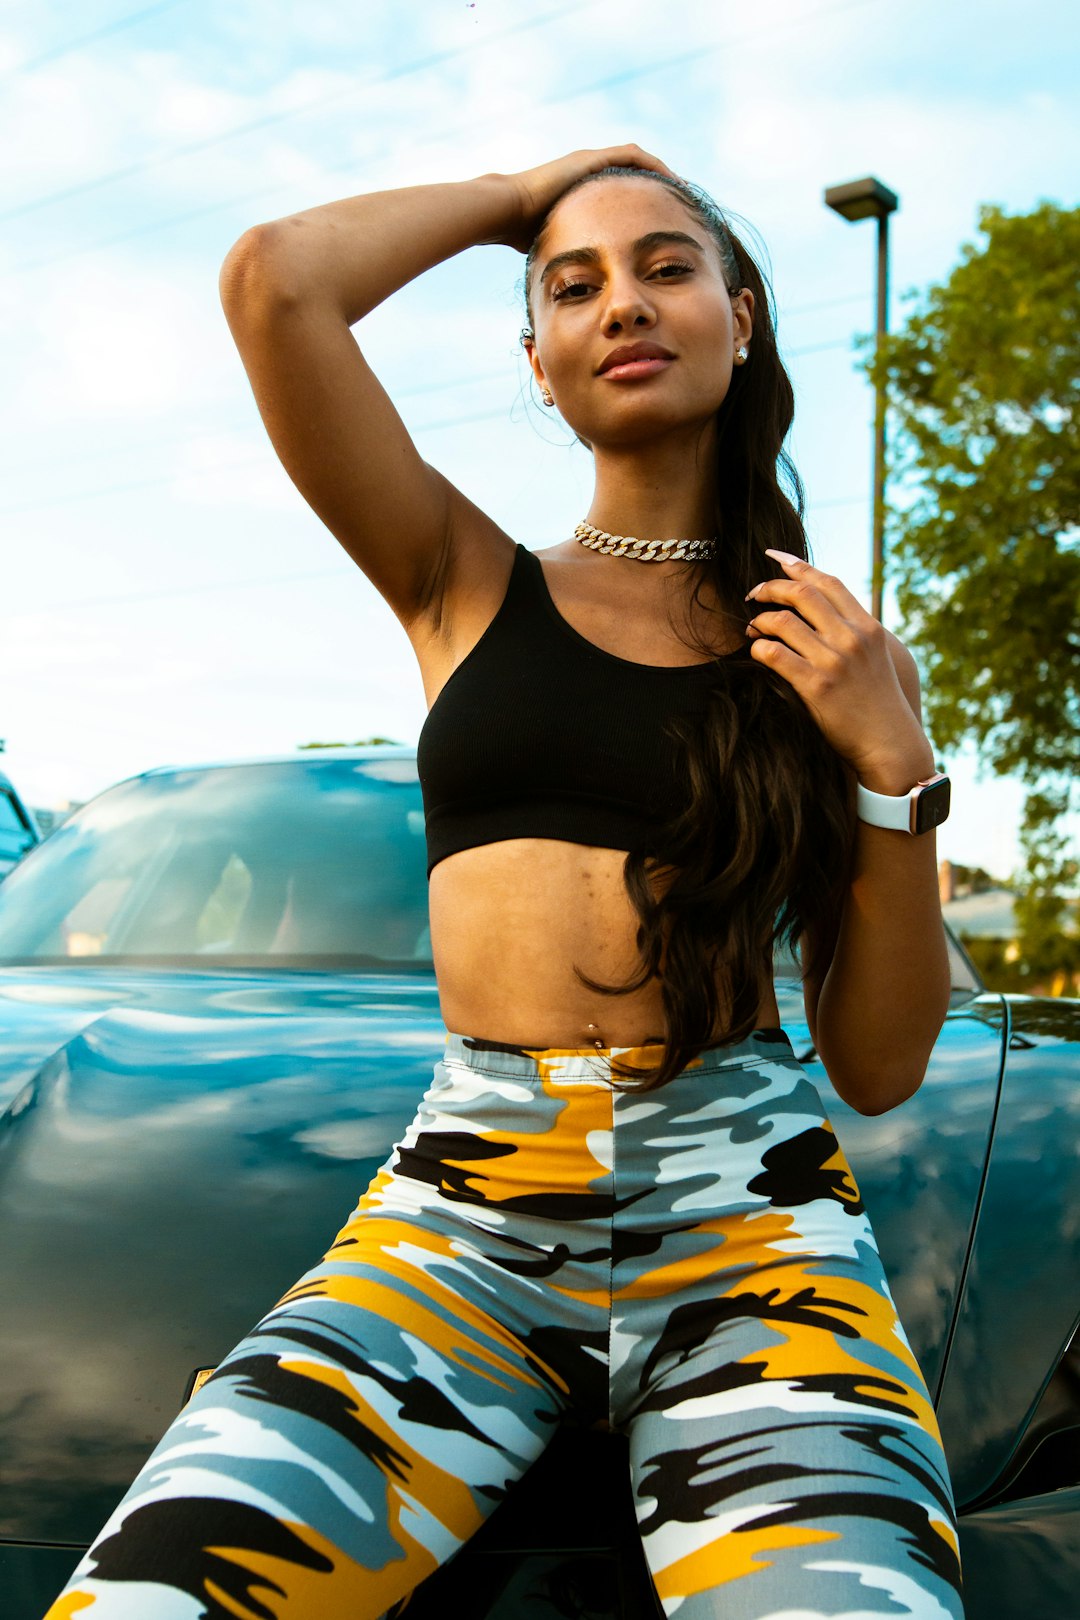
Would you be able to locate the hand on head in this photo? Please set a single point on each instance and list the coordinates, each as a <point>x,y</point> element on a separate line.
<point>533,191</point>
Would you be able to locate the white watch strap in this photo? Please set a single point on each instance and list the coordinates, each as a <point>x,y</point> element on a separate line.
<point>884,809</point>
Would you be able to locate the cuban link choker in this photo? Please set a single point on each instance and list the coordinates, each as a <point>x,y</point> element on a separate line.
<point>626,545</point>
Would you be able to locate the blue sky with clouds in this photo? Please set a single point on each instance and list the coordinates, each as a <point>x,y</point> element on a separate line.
<point>166,594</point>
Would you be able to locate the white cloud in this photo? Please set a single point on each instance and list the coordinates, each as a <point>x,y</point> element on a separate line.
<point>118,339</point>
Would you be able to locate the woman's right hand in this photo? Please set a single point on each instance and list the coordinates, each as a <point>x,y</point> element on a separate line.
<point>532,192</point>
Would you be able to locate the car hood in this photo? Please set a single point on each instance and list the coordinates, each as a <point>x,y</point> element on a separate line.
<point>174,1151</point>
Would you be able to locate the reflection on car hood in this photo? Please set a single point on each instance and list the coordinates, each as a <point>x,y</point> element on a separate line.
<point>174,1152</point>
<point>41,1008</point>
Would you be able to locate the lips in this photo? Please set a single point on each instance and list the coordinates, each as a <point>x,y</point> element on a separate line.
<point>634,351</point>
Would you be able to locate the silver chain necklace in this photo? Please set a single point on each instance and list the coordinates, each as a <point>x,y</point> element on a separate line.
<point>625,545</point>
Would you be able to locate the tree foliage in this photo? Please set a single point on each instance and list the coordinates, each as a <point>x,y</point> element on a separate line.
<point>1047,951</point>
<point>982,536</point>
<point>983,528</point>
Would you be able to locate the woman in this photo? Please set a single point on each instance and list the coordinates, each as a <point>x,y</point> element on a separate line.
<point>621,1199</point>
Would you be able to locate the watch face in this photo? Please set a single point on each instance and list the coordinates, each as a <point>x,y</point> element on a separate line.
<point>932,806</point>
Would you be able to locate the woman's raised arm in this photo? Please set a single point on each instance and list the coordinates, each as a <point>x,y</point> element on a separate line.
<point>292,289</point>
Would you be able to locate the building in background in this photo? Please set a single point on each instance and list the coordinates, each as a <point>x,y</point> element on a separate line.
<point>980,910</point>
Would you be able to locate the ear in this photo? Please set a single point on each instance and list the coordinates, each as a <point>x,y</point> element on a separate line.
<point>742,309</point>
<point>529,345</point>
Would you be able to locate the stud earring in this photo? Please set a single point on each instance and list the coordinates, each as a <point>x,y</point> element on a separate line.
<point>740,354</point>
<point>548,400</point>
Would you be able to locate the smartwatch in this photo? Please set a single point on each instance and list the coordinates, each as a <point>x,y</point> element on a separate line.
<point>926,806</point>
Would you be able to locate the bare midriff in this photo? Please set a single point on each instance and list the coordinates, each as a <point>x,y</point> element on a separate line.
<point>508,922</point>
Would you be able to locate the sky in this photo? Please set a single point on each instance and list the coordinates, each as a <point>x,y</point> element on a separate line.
<point>166,594</point>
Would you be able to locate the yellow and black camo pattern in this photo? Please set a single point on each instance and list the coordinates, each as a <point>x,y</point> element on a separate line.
<point>693,1266</point>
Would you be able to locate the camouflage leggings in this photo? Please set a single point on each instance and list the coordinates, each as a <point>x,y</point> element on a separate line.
<point>693,1265</point>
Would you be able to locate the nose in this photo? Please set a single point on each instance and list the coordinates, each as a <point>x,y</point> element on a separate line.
<point>627,305</point>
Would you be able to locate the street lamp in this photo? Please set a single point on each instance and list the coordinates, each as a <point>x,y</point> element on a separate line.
<point>869,199</point>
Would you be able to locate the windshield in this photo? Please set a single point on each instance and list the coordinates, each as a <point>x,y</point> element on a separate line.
<point>317,862</point>
<point>314,862</point>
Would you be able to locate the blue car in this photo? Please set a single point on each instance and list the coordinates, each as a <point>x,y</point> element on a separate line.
<point>218,1012</point>
<point>19,830</point>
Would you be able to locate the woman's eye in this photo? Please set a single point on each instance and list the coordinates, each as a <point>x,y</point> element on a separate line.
<point>567,286</point>
<point>673,264</point>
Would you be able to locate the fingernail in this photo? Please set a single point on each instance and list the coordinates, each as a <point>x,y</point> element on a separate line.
<point>751,592</point>
<point>782,556</point>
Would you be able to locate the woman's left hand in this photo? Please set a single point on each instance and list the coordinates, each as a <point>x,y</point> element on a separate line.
<point>839,661</point>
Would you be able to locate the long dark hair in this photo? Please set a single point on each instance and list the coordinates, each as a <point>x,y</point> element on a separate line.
<point>759,855</point>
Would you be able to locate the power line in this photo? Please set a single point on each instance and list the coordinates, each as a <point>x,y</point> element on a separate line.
<point>128,488</point>
<point>191,435</point>
<point>213,587</point>
<point>159,479</point>
<point>433,59</point>
<point>621,77</point>
<point>103,32</point>
<point>624,76</point>
<point>210,587</point>
<point>30,265</point>
<point>188,436</point>
<point>258,457</point>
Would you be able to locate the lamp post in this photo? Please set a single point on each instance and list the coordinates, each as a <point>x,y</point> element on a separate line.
<point>869,199</point>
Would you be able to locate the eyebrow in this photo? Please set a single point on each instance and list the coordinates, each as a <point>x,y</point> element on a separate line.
<point>591,255</point>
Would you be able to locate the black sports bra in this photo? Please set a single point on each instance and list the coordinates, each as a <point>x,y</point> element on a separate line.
<point>539,733</point>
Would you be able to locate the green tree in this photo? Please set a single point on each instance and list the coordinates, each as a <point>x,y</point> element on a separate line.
<point>983,527</point>
<point>1047,952</point>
